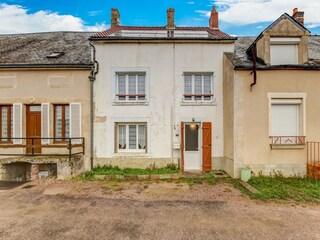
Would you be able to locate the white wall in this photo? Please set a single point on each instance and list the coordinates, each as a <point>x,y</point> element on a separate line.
<point>166,64</point>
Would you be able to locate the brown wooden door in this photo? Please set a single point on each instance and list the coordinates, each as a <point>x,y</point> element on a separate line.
<point>33,127</point>
<point>206,146</point>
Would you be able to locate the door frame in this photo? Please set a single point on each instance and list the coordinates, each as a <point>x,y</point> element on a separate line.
<point>182,132</point>
<point>199,124</point>
<point>28,113</point>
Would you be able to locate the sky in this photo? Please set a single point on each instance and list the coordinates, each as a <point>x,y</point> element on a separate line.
<point>236,17</point>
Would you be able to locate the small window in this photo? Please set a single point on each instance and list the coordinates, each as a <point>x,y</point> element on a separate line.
<point>131,87</point>
<point>284,51</point>
<point>198,87</point>
<point>6,123</point>
<point>131,137</point>
<point>61,122</point>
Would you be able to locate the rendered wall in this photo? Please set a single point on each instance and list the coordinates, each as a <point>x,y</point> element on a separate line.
<point>166,63</point>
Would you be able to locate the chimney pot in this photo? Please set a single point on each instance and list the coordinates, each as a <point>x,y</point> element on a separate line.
<point>214,19</point>
<point>298,16</point>
<point>170,18</point>
<point>115,17</point>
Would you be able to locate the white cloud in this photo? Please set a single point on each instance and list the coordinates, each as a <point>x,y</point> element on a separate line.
<point>95,13</point>
<point>16,19</point>
<point>191,2</point>
<point>255,11</point>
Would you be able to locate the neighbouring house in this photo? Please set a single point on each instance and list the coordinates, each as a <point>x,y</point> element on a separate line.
<point>271,98</point>
<point>159,94</point>
<point>44,104</point>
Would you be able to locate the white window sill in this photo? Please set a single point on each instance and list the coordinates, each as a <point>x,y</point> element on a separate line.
<point>131,154</point>
<point>198,103</point>
<point>287,146</point>
<point>130,103</point>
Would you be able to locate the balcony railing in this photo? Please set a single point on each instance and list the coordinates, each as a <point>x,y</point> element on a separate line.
<point>32,146</point>
<point>288,140</point>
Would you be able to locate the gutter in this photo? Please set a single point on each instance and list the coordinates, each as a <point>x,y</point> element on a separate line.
<point>92,78</point>
<point>45,66</point>
<point>254,66</point>
<point>157,39</point>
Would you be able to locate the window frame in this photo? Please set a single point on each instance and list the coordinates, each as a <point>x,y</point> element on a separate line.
<point>9,121</point>
<point>63,138</point>
<point>193,95</point>
<point>127,124</point>
<point>283,41</point>
<point>127,96</point>
<point>289,98</point>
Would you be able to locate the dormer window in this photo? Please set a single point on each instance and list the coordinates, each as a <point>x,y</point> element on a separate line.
<point>284,51</point>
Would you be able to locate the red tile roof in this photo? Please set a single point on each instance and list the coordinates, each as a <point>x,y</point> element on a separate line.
<point>212,33</point>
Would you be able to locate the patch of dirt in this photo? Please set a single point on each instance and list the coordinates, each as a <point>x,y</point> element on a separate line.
<point>148,210</point>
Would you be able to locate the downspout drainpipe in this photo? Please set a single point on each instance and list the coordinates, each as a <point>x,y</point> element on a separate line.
<point>92,78</point>
<point>254,66</point>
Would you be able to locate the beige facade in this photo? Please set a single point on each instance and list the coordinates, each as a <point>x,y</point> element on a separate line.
<point>255,113</point>
<point>247,135</point>
<point>27,87</point>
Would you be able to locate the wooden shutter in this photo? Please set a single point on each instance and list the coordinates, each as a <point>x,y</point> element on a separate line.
<point>45,123</point>
<point>17,123</point>
<point>75,122</point>
<point>206,146</point>
<point>182,146</point>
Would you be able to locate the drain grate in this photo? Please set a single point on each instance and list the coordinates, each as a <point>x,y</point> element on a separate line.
<point>28,186</point>
<point>219,174</point>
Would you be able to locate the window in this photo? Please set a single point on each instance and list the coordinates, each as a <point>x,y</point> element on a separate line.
<point>6,123</point>
<point>286,118</point>
<point>131,87</point>
<point>284,51</point>
<point>131,137</point>
<point>198,87</point>
<point>61,122</point>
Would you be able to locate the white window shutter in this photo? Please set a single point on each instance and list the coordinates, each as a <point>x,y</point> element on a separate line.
<point>17,123</point>
<point>75,122</point>
<point>45,123</point>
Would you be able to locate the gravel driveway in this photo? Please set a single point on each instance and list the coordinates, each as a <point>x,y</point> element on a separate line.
<point>147,210</point>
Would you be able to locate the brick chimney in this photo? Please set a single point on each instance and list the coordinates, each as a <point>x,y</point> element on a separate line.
<point>170,18</point>
<point>298,16</point>
<point>214,19</point>
<point>115,17</point>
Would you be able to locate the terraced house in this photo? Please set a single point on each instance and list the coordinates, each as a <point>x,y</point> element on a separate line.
<point>143,96</point>
<point>271,100</point>
<point>44,104</point>
<point>159,94</point>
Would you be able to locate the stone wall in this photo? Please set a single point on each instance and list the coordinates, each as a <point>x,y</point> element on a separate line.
<point>28,168</point>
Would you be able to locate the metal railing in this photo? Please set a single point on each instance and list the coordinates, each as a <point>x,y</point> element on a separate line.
<point>288,140</point>
<point>33,146</point>
<point>313,160</point>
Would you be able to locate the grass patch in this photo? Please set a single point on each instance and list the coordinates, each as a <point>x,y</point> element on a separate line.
<point>277,186</point>
<point>115,170</point>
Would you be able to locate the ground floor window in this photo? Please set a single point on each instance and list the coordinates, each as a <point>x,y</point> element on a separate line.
<point>131,137</point>
<point>286,121</point>
<point>61,122</point>
<point>5,123</point>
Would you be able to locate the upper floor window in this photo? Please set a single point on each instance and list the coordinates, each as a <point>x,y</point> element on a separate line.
<point>5,123</point>
<point>198,87</point>
<point>284,51</point>
<point>131,87</point>
<point>61,122</point>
